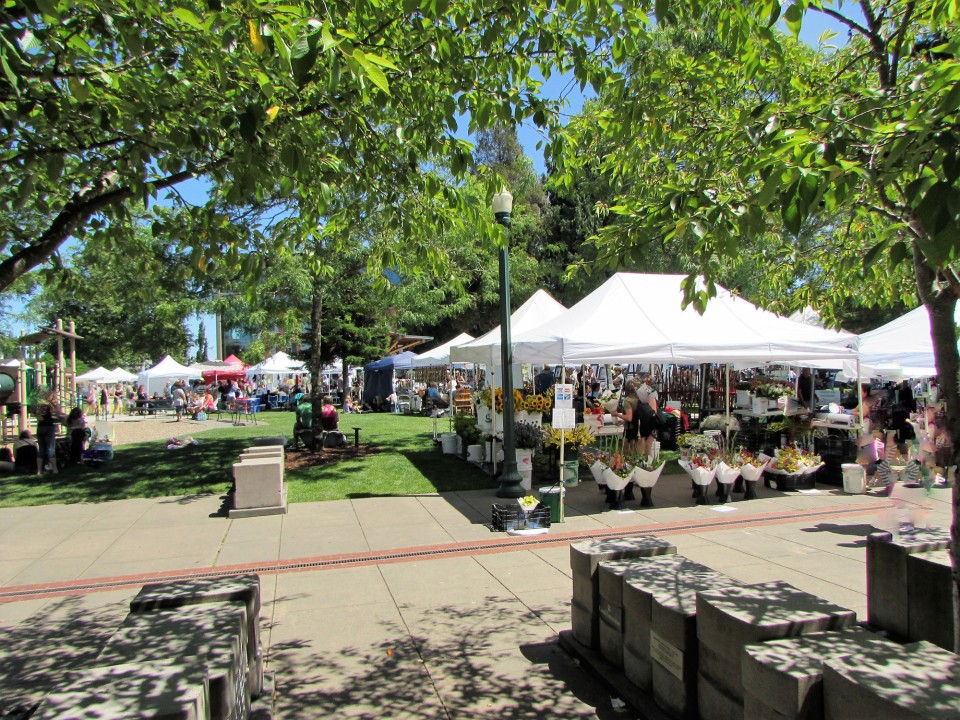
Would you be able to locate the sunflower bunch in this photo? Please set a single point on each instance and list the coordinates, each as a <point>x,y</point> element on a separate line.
<point>499,400</point>
<point>519,403</point>
<point>539,403</point>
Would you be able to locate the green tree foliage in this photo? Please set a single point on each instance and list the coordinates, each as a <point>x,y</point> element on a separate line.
<point>105,102</point>
<point>203,349</point>
<point>128,307</point>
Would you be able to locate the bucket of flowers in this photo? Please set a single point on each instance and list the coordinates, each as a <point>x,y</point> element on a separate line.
<point>792,469</point>
<point>595,459</point>
<point>702,468</point>
<point>646,472</point>
<point>537,405</point>
<point>691,444</point>
<point>593,418</point>
<point>728,472</point>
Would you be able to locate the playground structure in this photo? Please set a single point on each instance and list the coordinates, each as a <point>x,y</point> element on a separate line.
<point>20,383</point>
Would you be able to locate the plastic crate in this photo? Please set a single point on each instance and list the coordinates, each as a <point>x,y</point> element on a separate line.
<point>511,517</point>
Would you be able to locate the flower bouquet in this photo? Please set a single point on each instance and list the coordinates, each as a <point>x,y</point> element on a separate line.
<point>573,440</point>
<point>618,472</point>
<point>646,471</point>
<point>527,436</point>
<point>691,444</point>
<point>792,469</point>
<point>752,465</point>
<point>701,467</point>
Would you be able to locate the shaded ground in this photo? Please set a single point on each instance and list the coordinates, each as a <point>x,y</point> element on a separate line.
<point>303,459</point>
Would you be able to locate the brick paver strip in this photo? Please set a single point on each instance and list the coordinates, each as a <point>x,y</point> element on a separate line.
<point>382,557</point>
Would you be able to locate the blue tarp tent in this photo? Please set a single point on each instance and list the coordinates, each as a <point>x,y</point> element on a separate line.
<point>378,377</point>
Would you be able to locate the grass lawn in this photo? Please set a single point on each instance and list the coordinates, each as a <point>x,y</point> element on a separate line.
<point>406,463</point>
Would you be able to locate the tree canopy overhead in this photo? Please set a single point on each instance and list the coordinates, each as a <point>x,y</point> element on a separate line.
<point>107,101</point>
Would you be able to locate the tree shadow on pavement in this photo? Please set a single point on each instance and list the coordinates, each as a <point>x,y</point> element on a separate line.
<point>38,655</point>
<point>483,660</point>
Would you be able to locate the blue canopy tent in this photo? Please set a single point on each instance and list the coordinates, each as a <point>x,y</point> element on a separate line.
<point>378,377</point>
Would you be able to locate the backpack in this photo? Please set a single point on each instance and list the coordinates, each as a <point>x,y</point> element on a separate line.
<point>305,414</point>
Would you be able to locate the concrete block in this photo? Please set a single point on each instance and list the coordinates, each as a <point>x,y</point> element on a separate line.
<point>610,608</point>
<point>214,637</point>
<point>784,678</point>
<point>674,648</point>
<point>585,558</point>
<point>266,441</point>
<point>637,608</point>
<point>202,591</point>
<point>258,483</point>
<point>130,692</point>
<point>715,704</point>
<point>931,611</point>
<point>731,618</point>
<point>263,451</point>
<point>901,683</point>
<point>887,599</point>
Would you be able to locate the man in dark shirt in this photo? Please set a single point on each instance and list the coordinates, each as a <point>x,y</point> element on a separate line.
<point>544,380</point>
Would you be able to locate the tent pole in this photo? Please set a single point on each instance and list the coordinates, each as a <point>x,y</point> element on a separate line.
<point>726,404</point>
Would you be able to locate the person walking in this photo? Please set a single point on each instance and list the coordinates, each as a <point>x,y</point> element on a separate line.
<point>179,400</point>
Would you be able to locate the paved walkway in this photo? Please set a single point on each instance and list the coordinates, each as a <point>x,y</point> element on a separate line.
<point>399,607</point>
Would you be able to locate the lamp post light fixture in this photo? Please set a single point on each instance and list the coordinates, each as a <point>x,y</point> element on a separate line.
<point>510,486</point>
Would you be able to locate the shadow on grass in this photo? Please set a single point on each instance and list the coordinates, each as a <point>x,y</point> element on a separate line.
<point>143,470</point>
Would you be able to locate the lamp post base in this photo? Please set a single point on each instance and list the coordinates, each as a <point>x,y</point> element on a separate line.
<point>510,479</point>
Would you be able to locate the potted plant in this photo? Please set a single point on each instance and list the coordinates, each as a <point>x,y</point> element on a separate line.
<point>466,428</point>
<point>573,441</point>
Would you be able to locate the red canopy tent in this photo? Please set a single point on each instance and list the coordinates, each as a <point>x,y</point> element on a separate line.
<point>233,368</point>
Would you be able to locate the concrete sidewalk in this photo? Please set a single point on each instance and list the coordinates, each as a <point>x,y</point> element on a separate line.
<point>400,607</point>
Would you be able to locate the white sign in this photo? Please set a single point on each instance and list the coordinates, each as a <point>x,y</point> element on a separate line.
<point>563,396</point>
<point>670,657</point>
<point>564,418</point>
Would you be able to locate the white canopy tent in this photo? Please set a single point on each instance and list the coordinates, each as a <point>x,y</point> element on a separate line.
<point>441,355</point>
<point>119,375</point>
<point>485,350</point>
<point>98,374</point>
<point>278,364</point>
<point>639,318</point>
<point>163,372</point>
<point>901,348</point>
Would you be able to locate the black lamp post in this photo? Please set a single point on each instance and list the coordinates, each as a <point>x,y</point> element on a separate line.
<point>510,486</point>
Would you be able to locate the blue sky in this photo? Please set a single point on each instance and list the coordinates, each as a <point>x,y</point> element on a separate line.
<point>557,87</point>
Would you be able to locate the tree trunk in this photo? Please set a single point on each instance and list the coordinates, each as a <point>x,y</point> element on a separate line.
<point>316,323</point>
<point>941,306</point>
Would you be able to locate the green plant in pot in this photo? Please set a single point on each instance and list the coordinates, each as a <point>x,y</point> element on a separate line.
<point>466,427</point>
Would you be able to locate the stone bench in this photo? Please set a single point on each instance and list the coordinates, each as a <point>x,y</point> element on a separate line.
<point>263,451</point>
<point>202,591</point>
<point>130,692</point>
<point>258,486</point>
<point>784,678</point>
<point>214,637</point>
<point>731,618</point>
<point>907,683</point>
<point>585,559</point>
<point>887,587</point>
<point>931,613</point>
<point>673,650</point>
